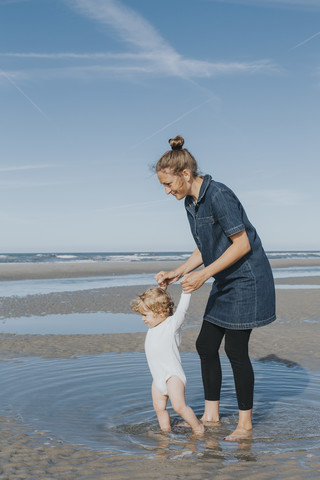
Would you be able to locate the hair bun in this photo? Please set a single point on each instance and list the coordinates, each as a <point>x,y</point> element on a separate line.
<point>176,143</point>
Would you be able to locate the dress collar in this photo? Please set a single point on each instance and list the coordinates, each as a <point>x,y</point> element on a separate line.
<point>204,186</point>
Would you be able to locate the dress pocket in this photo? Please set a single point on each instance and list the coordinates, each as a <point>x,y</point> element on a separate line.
<point>205,221</point>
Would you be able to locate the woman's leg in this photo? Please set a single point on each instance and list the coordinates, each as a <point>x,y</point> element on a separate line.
<point>176,394</point>
<point>236,347</point>
<point>159,405</point>
<point>208,344</point>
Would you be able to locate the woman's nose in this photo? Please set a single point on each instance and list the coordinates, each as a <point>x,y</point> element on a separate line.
<point>167,190</point>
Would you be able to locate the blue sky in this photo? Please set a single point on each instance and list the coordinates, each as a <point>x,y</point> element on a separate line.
<point>91,91</point>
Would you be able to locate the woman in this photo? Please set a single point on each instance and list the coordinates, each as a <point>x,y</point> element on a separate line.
<point>242,295</point>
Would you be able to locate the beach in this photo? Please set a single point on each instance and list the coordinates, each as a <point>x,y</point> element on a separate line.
<point>292,339</point>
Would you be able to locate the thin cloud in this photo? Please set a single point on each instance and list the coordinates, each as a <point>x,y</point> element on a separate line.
<point>146,65</point>
<point>8,184</point>
<point>294,4</point>
<point>153,55</point>
<point>23,93</point>
<point>75,56</point>
<point>4,2</point>
<point>195,67</point>
<point>15,168</point>
<point>129,25</point>
<point>176,120</point>
<point>137,32</point>
<point>306,40</point>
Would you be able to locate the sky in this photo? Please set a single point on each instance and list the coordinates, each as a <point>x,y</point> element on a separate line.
<point>92,90</point>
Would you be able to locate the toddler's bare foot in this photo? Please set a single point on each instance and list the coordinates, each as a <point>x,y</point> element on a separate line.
<point>183,424</point>
<point>199,430</point>
<point>239,434</point>
<point>165,430</point>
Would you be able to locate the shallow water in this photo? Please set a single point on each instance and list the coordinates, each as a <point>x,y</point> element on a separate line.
<point>74,323</point>
<point>104,403</point>
<point>22,288</point>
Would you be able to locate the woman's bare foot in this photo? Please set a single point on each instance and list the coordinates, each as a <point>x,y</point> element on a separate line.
<point>210,423</point>
<point>239,434</point>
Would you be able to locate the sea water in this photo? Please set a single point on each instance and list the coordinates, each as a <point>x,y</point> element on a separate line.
<point>21,288</point>
<point>103,402</point>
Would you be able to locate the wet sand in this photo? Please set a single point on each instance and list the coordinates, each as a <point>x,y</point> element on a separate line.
<point>27,454</point>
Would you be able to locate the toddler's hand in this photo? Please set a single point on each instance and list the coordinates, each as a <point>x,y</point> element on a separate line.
<point>166,278</point>
<point>161,279</point>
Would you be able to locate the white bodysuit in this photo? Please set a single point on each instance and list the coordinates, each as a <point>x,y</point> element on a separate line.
<point>162,347</point>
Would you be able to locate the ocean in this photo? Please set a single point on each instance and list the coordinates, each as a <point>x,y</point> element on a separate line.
<point>128,256</point>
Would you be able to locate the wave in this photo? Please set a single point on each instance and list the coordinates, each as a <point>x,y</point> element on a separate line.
<point>294,254</point>
<point>86,257</point>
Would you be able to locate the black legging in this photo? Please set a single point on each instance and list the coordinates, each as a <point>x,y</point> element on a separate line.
<point>236,348</point>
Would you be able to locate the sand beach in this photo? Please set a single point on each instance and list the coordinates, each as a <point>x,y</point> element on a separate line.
<point>29,454</point>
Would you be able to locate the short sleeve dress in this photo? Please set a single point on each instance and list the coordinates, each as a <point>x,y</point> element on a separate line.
<point>243,295</point>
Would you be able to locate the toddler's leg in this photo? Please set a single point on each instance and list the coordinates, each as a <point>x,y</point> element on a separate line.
<point>159,404</point>
<point>176,389</point>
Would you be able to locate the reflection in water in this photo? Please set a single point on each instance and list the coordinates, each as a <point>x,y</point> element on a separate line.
<point>74,323</point>
<point>104,402</point>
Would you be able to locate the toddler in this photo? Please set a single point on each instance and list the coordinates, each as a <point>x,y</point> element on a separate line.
<point>161,346</point>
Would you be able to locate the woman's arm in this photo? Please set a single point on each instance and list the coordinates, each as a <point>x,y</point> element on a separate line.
<point>239,247</point>
<point>166,278</point>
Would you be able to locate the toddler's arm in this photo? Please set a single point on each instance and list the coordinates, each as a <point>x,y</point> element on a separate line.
<point>180,313</point>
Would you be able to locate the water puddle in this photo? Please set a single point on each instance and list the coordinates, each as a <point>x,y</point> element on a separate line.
<point>104,403</point>
<point>21,288</point>
<point>74,323</point>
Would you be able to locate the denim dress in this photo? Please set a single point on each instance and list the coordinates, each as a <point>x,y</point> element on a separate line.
<point>242,295</point>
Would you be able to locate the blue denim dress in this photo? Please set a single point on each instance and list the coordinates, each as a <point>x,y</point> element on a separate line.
<point>243,295</point>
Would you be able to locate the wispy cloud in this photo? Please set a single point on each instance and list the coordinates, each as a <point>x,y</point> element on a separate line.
<point>15,168</point>
<point>7,184</point>
<point>156,55</point>
<point>141,64</point>
<point>3,2</point>
<point>306,40</point>
<point>75,56</point>
<point>150,53</point>
<point>176,120</point>
<point>10,80</point>
<point>301,4</point>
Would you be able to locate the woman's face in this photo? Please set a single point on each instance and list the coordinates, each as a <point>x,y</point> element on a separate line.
<point>177,185</point>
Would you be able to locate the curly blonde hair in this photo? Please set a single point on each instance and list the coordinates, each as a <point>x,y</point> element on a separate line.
<point>156,300</point>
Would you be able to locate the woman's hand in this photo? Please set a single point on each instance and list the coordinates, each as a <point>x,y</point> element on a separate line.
<point>166,278</point>
<point>192,281</point>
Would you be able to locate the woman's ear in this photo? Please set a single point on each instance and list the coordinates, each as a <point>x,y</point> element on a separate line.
<point>186,173</point>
